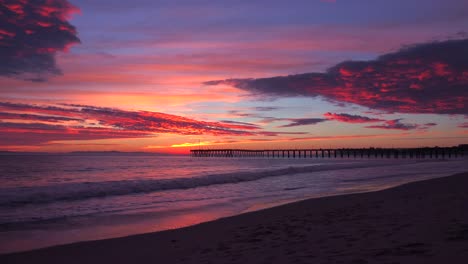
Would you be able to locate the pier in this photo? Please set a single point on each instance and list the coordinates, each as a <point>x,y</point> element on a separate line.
<point>395,153</point>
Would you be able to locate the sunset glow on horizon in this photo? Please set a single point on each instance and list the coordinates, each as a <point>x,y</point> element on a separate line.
<point>170,76</point>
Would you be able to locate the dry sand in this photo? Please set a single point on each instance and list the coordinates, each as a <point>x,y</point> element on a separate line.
<point>422,222</point>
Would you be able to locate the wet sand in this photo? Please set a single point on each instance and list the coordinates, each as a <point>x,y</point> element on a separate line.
<point>420,222</point>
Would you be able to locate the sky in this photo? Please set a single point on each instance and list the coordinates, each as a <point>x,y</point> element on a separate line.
<point>168,76</point>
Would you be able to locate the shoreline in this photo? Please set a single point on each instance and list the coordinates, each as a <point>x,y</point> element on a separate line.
<point>419,222</point>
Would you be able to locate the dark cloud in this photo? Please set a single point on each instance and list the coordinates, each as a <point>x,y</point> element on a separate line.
<point>241,114</point>
<point>463,125</point>
<point>31,33</point>
<point>395,125</point>
<point>303,121</point>
<point>7,116</point>
<point>347,118</point>
<point>32,126</point>
<point>386,124</point>
<point>265,108</point>
<point>263,119</point>
<point>426,126</point>
<point>276,133</point>
<point>269,119</point>
<point>428,138</point>
<point>241,125</point>
<point>430,124</point>
<point>423,78</point>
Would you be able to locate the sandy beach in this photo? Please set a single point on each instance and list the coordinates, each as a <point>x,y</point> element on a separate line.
<point>421,222</point>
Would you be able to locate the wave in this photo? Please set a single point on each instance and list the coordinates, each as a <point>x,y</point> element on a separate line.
<point>20,196</point>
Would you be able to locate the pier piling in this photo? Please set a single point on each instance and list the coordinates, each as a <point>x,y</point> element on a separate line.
<point>396,153</point>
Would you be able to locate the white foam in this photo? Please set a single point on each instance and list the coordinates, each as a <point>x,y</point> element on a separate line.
<point>18,196</point>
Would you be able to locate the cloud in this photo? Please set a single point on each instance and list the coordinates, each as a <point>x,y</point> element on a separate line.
<point>276,133</point>
<point>422,78</point>
<point>241,114</point>
<point>430,124</point>
<point>31,33</point>
<point>395,124</point>
<point>241,125</point>
<point>28,123</point>
<point>156,122</point>
<point>386,124</point>
<point>39,133</point>
<point>347,118</point>
<point>303,121</point>
<point>269,119</point>
<point>23,116</point>
<point>347,137</point>
<point>265,108</point>
<point>463,125</point>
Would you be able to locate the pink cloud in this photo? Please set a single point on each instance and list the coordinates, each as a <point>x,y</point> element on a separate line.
<point>43,123</point>
<point>395,124</point>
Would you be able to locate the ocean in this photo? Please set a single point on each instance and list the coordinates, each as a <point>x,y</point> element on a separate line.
<point>56,199</point>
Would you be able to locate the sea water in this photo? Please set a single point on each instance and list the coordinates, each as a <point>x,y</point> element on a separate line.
<point>48,200</point>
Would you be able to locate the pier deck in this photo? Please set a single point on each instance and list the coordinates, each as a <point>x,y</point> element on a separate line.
<point>435,153</point>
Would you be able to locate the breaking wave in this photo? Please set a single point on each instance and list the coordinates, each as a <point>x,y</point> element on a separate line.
<point>20,196</point>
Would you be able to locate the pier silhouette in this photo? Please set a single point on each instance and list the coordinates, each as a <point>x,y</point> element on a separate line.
<point>396,153</point>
